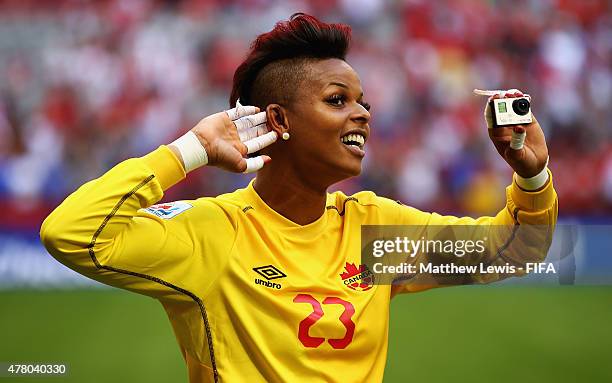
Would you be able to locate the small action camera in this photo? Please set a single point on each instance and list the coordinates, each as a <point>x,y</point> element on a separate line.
<point>511,111</point>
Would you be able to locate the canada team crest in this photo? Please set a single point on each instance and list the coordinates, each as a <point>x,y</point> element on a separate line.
<point>357,278</point>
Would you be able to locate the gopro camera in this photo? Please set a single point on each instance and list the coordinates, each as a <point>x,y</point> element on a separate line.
<point>511,111</point>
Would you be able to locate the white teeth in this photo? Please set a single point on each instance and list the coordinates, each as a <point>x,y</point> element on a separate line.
<point>354,138</point>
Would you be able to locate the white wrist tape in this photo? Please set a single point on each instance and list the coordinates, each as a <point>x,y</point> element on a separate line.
<point>535,182</point>
<point>193,153</point>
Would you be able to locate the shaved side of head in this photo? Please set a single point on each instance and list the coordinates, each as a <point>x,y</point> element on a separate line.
<point>279,82</point>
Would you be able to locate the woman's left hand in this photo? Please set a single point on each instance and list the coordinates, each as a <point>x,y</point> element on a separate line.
<point>532,157</point>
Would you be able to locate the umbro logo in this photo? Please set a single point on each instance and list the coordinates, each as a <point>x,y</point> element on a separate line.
<point>269,272</point>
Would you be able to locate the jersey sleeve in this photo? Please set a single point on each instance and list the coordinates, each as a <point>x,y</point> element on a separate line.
<point>521,232</point>
<point>104,232</point>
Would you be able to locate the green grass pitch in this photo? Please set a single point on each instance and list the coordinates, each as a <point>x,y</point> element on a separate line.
<point>476,334</point>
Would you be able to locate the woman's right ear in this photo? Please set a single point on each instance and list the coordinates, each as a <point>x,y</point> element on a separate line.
<point>277,119</point>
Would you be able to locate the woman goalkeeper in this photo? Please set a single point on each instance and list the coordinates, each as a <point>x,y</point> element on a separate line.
<point>266,283</point>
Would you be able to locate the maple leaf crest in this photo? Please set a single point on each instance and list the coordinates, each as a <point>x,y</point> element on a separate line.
<point>352,270</point>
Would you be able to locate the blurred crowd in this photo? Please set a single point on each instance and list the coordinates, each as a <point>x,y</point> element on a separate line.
<point>86,84</point>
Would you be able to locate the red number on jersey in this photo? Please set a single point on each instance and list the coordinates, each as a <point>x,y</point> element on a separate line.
<point>346,320</point>
<point>317,313</point>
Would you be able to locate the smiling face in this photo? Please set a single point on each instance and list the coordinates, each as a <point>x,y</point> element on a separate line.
<point>328,122</point>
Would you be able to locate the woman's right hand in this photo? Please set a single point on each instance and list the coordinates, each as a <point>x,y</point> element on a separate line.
<point>228,137</point>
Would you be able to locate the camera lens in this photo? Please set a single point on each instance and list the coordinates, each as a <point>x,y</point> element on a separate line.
<point>521,106</point>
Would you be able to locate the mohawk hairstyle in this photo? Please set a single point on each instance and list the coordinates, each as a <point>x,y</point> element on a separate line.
<point>275,65</point>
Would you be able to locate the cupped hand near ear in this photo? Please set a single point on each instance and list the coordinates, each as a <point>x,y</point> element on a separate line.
<point>230,136</point>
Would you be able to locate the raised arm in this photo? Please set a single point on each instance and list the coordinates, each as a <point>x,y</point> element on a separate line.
<point>104,231</point>
<point>521,232</point>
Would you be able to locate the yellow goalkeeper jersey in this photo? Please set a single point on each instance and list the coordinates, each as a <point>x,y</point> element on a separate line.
<point>251,295</point>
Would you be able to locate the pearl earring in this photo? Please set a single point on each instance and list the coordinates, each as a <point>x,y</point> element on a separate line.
<point>285,136</point>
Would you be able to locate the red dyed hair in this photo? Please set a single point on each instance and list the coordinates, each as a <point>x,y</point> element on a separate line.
<point>301,37</point>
